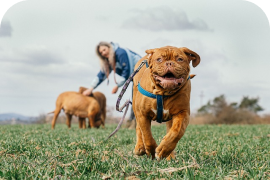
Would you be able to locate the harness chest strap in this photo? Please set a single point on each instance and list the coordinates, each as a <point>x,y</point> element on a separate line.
<point>159,99</point>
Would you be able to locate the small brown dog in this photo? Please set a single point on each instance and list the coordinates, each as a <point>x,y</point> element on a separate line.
<point>168,77</point>
<point>100,97</point>
<point>74,103</point>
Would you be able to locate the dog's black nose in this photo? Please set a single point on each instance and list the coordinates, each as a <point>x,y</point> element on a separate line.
<point>169,63</point>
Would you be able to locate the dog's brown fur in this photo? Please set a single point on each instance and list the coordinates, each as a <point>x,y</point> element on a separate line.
<point>177,106</point>
<point>100,97</point>
<point>74,103</point>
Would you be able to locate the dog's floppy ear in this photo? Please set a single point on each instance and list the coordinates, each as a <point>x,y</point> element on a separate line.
<point>150,52</point>
<point>192,56</point>
<point>81,89</point>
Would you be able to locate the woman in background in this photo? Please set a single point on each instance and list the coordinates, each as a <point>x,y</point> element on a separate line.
<point>117,59</point>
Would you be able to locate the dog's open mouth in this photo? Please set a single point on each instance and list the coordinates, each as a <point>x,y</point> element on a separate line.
<point>169,81</point>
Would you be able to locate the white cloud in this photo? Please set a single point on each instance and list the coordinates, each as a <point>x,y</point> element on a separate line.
<point>33,56</point>
<point>163,18</point>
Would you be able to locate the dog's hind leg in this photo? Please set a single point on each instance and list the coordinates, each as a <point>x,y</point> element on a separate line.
<point>81,122</point>
<point>68,120</point>
<point>91,121</point>
<point>56,113</point>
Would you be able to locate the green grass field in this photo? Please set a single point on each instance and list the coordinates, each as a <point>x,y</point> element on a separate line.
<point>205,152</point>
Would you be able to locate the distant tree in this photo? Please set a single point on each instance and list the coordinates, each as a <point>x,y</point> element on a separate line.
<point>222,112</point>
<point>234,105</point>
<point>219,103</point>
<point>250,104</point>
<point>205,109</point>
<point>215,107</point>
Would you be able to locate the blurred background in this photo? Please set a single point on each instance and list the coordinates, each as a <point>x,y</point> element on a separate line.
<point>48,47</point>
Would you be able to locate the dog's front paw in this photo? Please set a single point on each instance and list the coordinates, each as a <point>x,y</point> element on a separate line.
<point>157,156</point>
<point>165,150</point>
<point>170,157</point>
<point>160,154</point>
<point>139,150</point>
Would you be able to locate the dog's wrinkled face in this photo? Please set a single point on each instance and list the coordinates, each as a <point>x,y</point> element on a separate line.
<point>170,66</point>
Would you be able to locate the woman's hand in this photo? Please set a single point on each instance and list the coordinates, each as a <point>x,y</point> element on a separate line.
<point>115,89</point>
<point>88,92</point>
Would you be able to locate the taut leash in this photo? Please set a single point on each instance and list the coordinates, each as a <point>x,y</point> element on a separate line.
<point>127,84</point>
<point>126,104</point>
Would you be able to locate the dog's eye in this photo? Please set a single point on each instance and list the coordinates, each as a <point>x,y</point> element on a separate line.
<point>159,60</point>
<point>180,59</point>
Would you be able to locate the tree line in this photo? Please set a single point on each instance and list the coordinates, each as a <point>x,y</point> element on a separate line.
<point>219,110</point>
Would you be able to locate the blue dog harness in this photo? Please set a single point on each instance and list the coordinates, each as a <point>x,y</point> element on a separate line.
<point>159,102</point>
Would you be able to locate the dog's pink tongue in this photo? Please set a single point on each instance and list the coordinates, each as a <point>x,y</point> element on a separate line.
<point>166,84</point>
<point>177,81</point>
<point>171,83</point>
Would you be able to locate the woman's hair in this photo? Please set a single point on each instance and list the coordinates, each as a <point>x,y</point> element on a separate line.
<point>106,62</point>
<point>102,43</point>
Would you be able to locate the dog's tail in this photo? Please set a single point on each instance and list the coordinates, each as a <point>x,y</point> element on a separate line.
<point>50,112</point>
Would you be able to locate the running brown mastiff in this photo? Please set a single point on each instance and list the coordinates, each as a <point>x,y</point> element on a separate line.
<point>161,92</point>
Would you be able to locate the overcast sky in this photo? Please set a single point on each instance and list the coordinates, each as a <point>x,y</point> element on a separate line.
<point>48,47</point>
